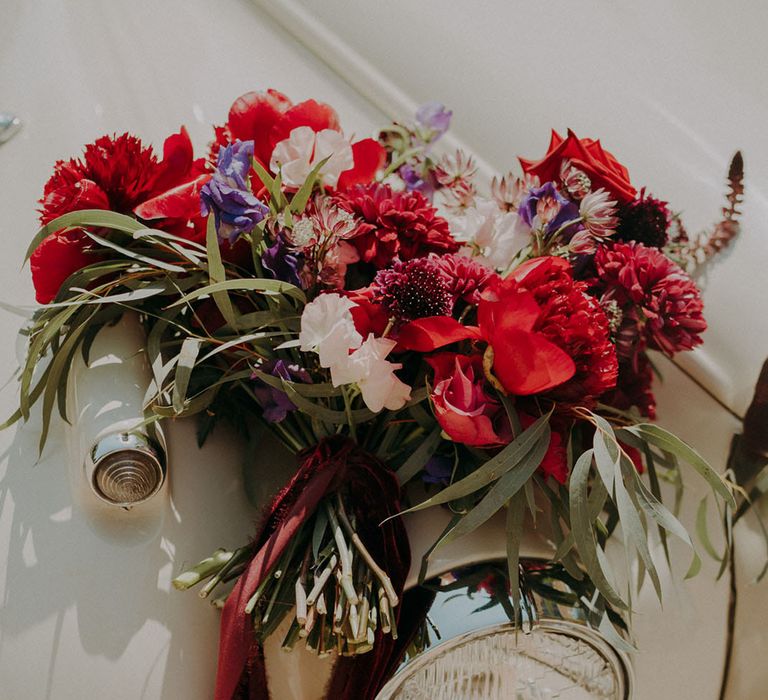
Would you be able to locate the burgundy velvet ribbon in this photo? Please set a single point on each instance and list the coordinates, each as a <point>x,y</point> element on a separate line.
<point>334,462</point>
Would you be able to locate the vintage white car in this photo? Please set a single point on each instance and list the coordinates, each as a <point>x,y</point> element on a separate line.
<point>88,609</point>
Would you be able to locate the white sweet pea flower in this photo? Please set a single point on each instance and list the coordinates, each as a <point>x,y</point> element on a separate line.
<point>327,328</point>
<point>492,236</point>
<point>375,375</point>
<point>304,148</point>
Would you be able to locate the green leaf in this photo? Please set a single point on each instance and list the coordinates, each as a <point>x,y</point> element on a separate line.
<point>419,457</point>
<point>217,275</point>
<point>275,287</point>
<point>506,487</point>
<point>512,455</point>
<point>439,541</point>
<point>674,445</point>
<point>187,357</point>
<point>101,218</point>
<point>135,255</point>
<point>583,532</point>
<point>300,199</point>
<point>514,529</point>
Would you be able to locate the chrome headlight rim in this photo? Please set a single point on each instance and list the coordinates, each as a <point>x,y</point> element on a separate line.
<point>126,445</point>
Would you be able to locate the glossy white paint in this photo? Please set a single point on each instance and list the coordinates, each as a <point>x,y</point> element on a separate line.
<point>672,90</point>
<point>84,615</point>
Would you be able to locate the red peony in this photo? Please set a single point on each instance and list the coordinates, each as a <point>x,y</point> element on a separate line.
<point>392,225</point>
<point>667,301</point>
<point>574,322</point>
<point>266,118</point>
<point>118,173</point>
<point>122,175</point>
<point>588,156</point>
<point>60,255</point>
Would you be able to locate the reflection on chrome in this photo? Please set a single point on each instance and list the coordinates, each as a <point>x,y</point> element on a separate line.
<point>126,469</point>
<point>479,653</point>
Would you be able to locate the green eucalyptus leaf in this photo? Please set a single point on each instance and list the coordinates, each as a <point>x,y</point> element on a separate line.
<point>414,464</point>
<point>583,532</point>
<point>514,531</point>
<point>265,286</point>
<point>670,443</point>
<point>217,275</point>
<point>101,218</point>
<point>508,458</point>
<point>190,349</point>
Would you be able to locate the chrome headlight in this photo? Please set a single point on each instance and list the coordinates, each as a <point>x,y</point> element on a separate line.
<point>482,655</point>
<point>125,469</point>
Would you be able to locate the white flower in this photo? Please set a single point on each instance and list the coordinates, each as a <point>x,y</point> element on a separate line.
<point>492,235</point>
<point>375,375</point>
<point>598,212</point>
<point>327,328</point>
<point>295,156</point>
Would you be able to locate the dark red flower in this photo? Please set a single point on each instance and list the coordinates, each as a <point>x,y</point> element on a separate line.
<point>368,316</point>
<point>523,359</point>
<point>266,118</point>
<point>633,388</point>
<point>393,225</point>
<point>466,278</point>
<point>667,301</point>
<point>574,322</point>
<point>413,289</point>
<point>645,220</point>
<point>588,156</point>
<point>60,255</point>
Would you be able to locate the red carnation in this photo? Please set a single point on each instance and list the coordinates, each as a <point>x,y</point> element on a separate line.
<point>574,322</point>
<point>395,225</point>
<point>668,301</point>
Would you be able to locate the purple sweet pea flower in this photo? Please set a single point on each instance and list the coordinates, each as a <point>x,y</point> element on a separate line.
<point>275,404</point>
<point>438,470</point>
<point>226,194</point>
<point>282,263</point>
<point>414,180</point>
<point>545,208</point>
<point>433,119</point>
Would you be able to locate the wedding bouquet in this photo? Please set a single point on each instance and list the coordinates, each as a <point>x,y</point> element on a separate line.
<point>390,320</point>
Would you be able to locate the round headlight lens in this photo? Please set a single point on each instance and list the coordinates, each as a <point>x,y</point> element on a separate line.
<point>558,659</point>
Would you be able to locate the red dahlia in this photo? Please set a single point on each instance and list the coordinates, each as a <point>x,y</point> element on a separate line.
<point>574,322</point>
<point>393,225</point>
<point>667,299</point>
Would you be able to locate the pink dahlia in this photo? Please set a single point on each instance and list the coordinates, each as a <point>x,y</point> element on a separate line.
<point>667,300</point>
<point>395,224</point>
<point>466,278</point>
